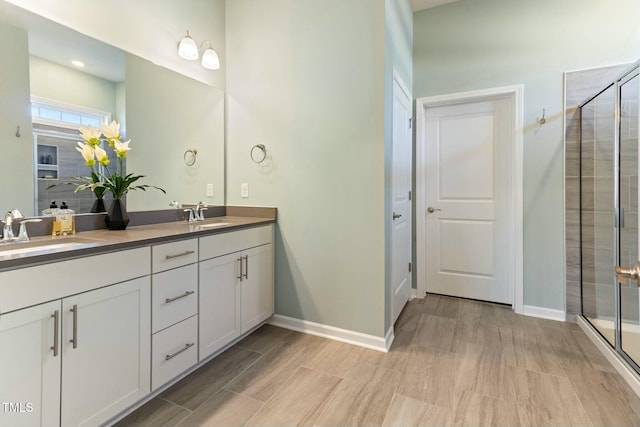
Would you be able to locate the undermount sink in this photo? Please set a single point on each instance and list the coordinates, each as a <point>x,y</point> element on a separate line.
<point>213,224</point>
<point>34,247</point>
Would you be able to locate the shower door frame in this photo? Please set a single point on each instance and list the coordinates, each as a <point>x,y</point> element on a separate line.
<point>627,75</point>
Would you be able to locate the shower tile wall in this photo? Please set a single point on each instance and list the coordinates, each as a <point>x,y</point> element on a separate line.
<point>629,196</point>
<point>579,86</point>
<point>597,197</point>
<point>70,164</point>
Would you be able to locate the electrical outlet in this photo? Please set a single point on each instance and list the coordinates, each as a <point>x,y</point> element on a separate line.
<point>209,190</point>
<point>244,190</point>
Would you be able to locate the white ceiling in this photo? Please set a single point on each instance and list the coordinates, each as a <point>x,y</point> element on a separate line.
<point>61,45</point>
<point>417,5</point>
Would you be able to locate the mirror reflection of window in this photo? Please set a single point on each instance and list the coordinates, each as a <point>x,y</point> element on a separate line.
<point>56,136</point>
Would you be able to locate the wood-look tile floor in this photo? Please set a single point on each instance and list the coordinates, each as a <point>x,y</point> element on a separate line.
<point>453,363</point>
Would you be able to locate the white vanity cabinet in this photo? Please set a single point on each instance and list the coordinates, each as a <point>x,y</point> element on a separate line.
<point>236,285</point>
<point>174,309</point>
<point>219,303</point>
<point>84,339</point>
<point>105,352</point>
<point>29,370</point>
<point>78,367</point>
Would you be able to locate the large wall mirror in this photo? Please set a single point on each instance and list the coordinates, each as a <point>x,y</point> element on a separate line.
<point>44,98</point>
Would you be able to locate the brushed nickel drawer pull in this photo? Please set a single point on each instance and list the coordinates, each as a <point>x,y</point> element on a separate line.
<point>185,253</point>
<point>240,261</point>
<point>56,321</point>
<point>74,340</point>
<point>185,348</point>
<point>186,294</point>
<point>246,267</point>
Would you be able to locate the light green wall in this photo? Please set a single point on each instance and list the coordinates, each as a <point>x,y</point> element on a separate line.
<point>306,79</point>
<point>476,44</point>
<point>167,114</point>
<point>398,57</point>
<point>15,110</point>
<point>66,85</point>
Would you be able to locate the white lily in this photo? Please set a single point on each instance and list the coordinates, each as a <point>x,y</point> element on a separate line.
<point>111,131</point>
<point>121,148</point>
<point>90,134</point>
<point>88,153</point>
<point>101,155</point>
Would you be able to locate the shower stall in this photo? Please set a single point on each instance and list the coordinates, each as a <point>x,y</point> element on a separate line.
<point>609,214</point>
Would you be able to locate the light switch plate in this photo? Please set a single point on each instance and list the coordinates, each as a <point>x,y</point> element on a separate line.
<point>244,190</point>
<point>209,190</point>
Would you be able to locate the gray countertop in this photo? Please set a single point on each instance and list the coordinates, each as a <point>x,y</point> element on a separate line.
<point>99,241</point>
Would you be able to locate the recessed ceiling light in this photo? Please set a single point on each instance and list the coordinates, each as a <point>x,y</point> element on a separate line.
<point>78,64</point>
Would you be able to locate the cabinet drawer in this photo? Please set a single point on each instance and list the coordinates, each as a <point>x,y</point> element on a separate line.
<point>175,296</point>
<point>174,254</point>
<point>174,351</point>
<point>234,241</point>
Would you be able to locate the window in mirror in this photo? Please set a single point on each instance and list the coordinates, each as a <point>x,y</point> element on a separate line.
<point>55,136</point>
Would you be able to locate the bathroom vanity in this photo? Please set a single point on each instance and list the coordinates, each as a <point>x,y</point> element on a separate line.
<point>91,329</point>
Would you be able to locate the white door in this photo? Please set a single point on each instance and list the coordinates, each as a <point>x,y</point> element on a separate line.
<point>468,199</point>
<point>219,303</point>
<point>106,352</point>
<point>401,199</point>
<point>30,366</point>
<point>256,287</point>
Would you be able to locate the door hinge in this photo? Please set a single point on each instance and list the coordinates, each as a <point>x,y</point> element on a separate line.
<point>409,194</point>
<point>409,267</point>
<point>410,122</point>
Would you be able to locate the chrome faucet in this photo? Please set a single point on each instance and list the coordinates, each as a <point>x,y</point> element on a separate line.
<point>196,213</point>
<point>192,217</point>
<point>199,211</point>
<point>7,230</point>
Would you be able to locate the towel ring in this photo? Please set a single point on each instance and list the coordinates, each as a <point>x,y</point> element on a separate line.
<point>190,156</point>
<point>258,158</point>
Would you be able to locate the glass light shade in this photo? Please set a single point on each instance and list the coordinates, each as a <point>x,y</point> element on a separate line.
<point>188,49</point>
<point>210,59</point>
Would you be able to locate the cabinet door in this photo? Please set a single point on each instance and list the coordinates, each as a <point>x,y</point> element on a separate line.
<point>29,371</point>
<point>256,286</point>
<point>106,352</point>
<point>219,304</point>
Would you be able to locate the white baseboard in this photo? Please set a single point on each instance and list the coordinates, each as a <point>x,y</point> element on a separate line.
<point>544,313</point>
<point>331,332</point>
<point>388,339</point>
<point>625,371</point>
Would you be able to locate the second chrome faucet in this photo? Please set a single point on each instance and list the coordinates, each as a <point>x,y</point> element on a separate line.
<point>196,213</point>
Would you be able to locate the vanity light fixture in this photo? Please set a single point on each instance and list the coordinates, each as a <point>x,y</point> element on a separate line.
<point>210,59</point>
<point>188,49</point>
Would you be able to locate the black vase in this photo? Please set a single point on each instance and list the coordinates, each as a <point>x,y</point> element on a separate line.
<point>117,216</point>
<point>98,206</point>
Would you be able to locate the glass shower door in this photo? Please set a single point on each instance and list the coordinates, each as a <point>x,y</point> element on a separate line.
<point>629,335</point>
<point>598,201</point>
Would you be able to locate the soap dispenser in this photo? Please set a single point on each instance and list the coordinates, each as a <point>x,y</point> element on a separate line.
<point>52,210</point>
<point>65,223</point>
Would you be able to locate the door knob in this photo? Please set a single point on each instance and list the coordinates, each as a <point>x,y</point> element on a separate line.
<point>431,209</point>
<point>628,272</point>
<point>396,216</point>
